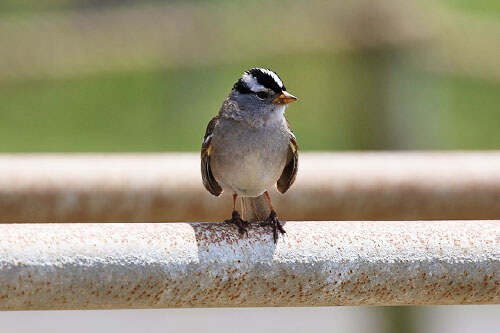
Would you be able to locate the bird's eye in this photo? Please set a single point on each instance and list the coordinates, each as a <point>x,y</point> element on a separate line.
<point>262,95</point>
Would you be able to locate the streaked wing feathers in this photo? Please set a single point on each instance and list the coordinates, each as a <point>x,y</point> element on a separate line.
<point>292,164</point>
<point>206,149</point>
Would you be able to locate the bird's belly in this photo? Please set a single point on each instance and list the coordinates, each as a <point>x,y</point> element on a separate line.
<point>253,175</point>
<point>252,169</point>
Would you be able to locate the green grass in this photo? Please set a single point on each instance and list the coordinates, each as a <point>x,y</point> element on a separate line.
<point>168,110</point>
<point>476,122</point>
<point>147,111</point>
<point>489,7</point>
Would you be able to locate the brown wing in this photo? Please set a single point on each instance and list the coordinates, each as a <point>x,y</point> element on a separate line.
<point>292,165</point>
<point>206,149</point>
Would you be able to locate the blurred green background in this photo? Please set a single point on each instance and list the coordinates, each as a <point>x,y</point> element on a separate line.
<point>125,75</point>
<point>141,76</point>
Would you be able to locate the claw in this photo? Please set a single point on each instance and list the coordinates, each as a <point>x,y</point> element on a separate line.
<point>241,224</point>
<point>273,221</point>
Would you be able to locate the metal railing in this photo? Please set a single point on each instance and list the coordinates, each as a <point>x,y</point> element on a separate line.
<point>329,186</point>
<point>161,265</point>
<point>165,265</point>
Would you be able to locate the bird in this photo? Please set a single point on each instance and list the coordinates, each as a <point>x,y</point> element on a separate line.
<point>248,148</point>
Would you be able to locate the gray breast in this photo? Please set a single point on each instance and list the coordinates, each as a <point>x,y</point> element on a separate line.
<point>248,160</point>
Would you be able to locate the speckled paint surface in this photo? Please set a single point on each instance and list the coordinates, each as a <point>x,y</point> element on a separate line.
<point>165,265</point>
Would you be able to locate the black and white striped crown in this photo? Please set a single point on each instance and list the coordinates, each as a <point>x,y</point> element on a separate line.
<point>259,79</point>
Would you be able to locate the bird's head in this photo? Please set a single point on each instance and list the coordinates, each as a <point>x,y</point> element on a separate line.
<point>261,91</point>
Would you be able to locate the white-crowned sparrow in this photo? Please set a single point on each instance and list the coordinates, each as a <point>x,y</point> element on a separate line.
<point>248,147</point>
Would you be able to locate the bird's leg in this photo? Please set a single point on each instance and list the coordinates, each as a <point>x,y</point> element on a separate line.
<point>237,220</point>
<point>272,220</point>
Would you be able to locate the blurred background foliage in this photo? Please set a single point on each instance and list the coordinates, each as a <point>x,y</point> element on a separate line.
<point>128,75</point>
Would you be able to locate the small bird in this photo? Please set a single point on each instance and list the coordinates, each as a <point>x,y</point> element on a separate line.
<point>249,146</point>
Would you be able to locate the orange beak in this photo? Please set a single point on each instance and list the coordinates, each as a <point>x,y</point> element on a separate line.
<point>284,98</point>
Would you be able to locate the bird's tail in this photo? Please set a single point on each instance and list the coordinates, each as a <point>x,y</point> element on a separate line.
<point>255,209</point>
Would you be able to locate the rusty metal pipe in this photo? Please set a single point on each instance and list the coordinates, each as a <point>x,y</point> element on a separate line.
<point>329,186</point>
<point>171,265</point>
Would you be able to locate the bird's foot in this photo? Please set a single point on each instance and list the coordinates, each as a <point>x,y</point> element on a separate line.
<point>241,224</point>
<point>273,221</point>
